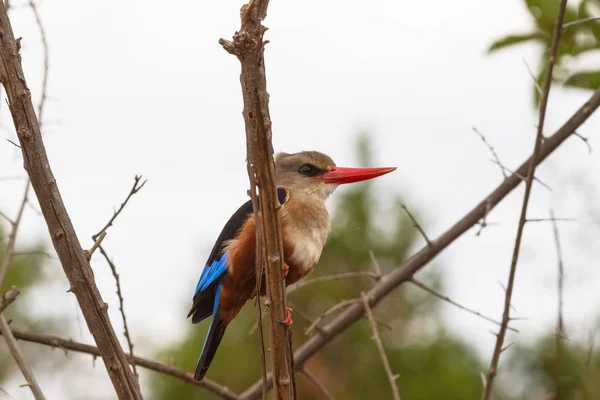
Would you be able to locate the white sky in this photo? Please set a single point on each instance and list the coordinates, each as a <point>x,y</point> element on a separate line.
<point>142,87</point>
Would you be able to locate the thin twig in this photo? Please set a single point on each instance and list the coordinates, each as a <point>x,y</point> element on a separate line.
<point>524,178</point>
<point>375,265</point>
<point>580,21</point>
<point>315,382</point>
<point>340,276</point>
<point>585,140</point>
<point>416,225</point>
<point>8,298</point>
<point>113,269</point>
<point>553,220</point>
<point>489,381</point>
<point>449,300</point>
<point>66,344</point>
<point>17,354</point>
<point>14,348</point>
<point>42,30</point>
<point>12,237</point>
<point>89,253</point>
<point>315,325</point>
<point>134,189</point>
<point>533,78</point>
<point>491,149</point>
<point>386,364</point>
<point>559,321</point>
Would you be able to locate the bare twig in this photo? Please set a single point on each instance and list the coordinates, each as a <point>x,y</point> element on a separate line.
<point>421,258</point>
<point>134,189</point>
<point>17,354</point>
<point>340,276</point>
<point>66,344</point>
<point>38,20</point>
<point>559,321</point>
<point>375,265</point>
<point>489,381</point>
<point>89,253</point>
<point>113,269</point>
<point>315,382</point>
<point>523,177</point>
<point>248,46</point>
<point>12,237</point>
<point>416,225</point>
<point>61,230</point>
<point>315,325</point>
<point>491,149</point>
<point>386,364</point>
<point>98,240</point>
<point>533,78</point>
<point>585,140</point>
<point>449,300</point>
<point>553,220</point>
<point>8,298</point>
<point>580,21</point>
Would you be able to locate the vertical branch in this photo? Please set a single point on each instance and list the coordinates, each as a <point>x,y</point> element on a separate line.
<point>559,320</point>
<point>62,232</point>
<point>248,46</point>
<point>498,349</point>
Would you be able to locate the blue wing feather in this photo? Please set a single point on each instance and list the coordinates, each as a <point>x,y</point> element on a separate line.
<point>211,273</point>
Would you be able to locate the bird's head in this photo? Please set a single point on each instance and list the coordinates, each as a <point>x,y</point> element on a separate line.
<point>311,172</point>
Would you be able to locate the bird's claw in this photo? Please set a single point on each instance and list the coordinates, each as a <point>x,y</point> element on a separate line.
<point>286,269</point>
<point>288,317</point>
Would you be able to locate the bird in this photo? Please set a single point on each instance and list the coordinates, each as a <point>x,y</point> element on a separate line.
<point>304,181</point>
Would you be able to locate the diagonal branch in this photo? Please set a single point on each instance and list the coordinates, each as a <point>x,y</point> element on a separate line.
<point>248,45</point>
<point>420,259</point>
<point>14,348</point>
<point>187,377</point>
<point>498,349</point>
<point>61,229</point>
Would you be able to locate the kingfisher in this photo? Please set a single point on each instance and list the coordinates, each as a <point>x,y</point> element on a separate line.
<point>304,181</point>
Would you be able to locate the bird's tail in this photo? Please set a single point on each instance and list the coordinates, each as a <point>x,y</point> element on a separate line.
<point>212,341</point>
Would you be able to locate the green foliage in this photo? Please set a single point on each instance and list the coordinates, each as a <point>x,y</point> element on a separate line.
<point>576,40</point>
<point>350,367</point>
<point>579,376</point>
<point>26,273</point>
<point>584,80</point>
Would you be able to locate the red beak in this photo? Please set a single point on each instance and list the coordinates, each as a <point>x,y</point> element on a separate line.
<point>340,175</point>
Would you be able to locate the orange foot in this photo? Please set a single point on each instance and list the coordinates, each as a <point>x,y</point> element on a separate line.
<point>286,269</point>
<point>288,317</point>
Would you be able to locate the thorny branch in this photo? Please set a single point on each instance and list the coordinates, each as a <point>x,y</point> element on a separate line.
<point>492,150</point>
<point>449,300</point>
<point>61,230</point>
<point>98,239</point>
<point>421,258</point>
<point>498,349</point>
<point>70,345</point>
<point>386,364</point>
<point>416,225</point>
<point>559,321</point>
<point>248,47</point>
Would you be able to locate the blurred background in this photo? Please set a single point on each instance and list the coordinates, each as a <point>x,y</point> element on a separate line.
<point>142,87</point>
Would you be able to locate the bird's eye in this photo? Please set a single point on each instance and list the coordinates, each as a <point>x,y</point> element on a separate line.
<point>308,170</point>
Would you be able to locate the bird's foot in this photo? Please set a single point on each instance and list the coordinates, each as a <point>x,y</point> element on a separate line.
<point>288,317</point>
<point>286,269</point>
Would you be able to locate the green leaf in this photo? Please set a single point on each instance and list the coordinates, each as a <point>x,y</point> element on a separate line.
<point>584,80</point>
<point>545,11</point>
<point>511,40</point>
